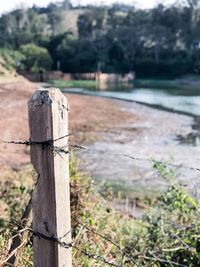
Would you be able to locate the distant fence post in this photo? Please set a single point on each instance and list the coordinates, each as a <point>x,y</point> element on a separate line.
<point>48,121</point>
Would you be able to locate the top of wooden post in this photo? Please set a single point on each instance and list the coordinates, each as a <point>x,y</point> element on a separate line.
<point>48,96</point>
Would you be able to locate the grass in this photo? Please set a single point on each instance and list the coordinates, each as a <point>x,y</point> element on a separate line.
<point>8,64</point>
<point>145,83</point>
<point>87,207</point>
<point>168,234</point>
<point>74,84</point>
<point>91,84</point>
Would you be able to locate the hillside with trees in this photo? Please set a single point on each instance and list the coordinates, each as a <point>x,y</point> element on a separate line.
<point>163,41</point>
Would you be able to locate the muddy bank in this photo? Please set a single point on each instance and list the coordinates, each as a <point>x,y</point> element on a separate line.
<point>88,118</point>
<point>14,121</point>
<point>153,135</point>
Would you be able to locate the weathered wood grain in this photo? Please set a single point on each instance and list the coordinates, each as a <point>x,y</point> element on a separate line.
<point>48,120</point>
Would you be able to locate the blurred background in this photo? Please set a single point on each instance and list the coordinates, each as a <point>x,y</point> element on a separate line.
<point>131,73</point>
<point>151,39</point>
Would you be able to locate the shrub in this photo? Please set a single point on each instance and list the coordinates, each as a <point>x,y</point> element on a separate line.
<point>36,58</point>
<point>167,235</point>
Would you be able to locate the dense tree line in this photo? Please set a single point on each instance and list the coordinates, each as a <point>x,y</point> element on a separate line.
<point>163,41</point>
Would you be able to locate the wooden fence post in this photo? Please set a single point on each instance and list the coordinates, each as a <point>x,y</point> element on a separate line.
<point>48,120</point>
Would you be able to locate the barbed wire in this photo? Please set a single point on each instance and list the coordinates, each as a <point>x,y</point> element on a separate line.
<point>65,244</point>
<point>47,143</point>
<point>147,255</point>
<point>65,150</point>
<point>122,250</point>
<point>22,228</point>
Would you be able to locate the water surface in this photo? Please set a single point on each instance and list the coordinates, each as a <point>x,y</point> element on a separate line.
<point>186,100</point>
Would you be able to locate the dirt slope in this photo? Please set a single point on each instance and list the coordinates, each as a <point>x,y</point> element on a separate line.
<point>89,117</point>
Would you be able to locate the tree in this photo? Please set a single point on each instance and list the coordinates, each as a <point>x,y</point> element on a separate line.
<point>36,58</point>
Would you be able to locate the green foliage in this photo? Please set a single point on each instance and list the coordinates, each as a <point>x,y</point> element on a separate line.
<point>74,83</point>
<point>91,215</point>
<point>15,194</point>
<point>10,59</point>
<point>36,58</point>
<point>167,235</point>
<point>158,42</point>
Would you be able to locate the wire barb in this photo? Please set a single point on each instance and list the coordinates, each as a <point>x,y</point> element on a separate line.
<point>49,143</point>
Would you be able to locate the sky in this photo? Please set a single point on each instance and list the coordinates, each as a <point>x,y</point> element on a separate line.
<point>7,5</point>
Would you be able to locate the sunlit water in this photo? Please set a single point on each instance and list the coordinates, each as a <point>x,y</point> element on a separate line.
<point>182,100</point>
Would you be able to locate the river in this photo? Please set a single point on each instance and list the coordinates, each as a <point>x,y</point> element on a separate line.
<point>184,100</point>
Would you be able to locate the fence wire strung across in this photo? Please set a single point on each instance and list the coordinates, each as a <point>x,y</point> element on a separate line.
<point>148,255</point>
<point>65,150</point>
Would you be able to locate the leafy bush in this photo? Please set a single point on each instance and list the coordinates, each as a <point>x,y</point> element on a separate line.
<point>167,235</point>
<point>36,58</point>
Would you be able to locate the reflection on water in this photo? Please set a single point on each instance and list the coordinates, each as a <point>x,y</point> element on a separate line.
<point>116,87</point>
<point>188,103</point>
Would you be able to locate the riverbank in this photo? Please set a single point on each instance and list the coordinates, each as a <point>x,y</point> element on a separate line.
<point>154,135</point>
<point>112,130</point>
<point>121,151</point>
<point>185,82</point>
<point>90,117</point>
